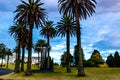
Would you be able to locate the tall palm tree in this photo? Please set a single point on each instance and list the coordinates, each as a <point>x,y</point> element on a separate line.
<point>48,31</point>
<point>15,31</point>
<point>67,27</point>
<point>20,33</point>
<point>23,42</point>
<point>78,9</point>
<point>8,53</point>
<point>38,47</point>
<point>31,13</point>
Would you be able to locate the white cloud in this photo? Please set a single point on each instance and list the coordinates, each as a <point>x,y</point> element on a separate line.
<point>104,6</point>
<point>56,55</point>
<point>59,46</point>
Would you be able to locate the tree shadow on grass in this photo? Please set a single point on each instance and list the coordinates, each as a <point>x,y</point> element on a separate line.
<point>45,71</point>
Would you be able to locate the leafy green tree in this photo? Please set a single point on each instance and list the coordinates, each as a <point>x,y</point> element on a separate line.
<point>64,59</point>
<point>48,31</point>
<point>96,58</point>
<point>110,61</point>
<point>78,9</point>
<point>67,27</point>
<point>117,59</point>
<point>30,13</point>
<point>76,56</point>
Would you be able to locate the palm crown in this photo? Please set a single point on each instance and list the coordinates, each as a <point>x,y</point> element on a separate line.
<point>30,12</point>
<point>66,24</point>
<point>84,7</point>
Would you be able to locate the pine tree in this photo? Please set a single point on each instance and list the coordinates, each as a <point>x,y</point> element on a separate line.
<point>117,59</point>
<point>110,61</point>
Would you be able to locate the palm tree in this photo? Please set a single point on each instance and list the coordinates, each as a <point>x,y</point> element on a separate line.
<point>2,52</point>
<point>38,47</point>
<point>23,42</point>
<point>78,9</point>
<point>15,50</point>
<point>67,27</point>
<point>30,13</point>
<point>48,31</point>
<point>15,31</point>
<point>8,53</point>
<point>20,33</point>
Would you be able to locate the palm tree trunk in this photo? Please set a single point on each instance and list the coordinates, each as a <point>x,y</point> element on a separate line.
<point>29,52</point>
<point>48,62</point>
<point>17,63</point>
<point>80,61</point>
<point>7,60</point>
<point>23,55</point>
<point>41,64</point>
<point>16,60</point>
<point>2,61</point>
<point>18,66</point>
<point>38,59</point>
<point>68,52</point>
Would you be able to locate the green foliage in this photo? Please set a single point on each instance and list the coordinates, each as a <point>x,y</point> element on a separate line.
<point>76,57</point>
<point>64,59</point>
<point>66,26</point>
<point>113,61</point>
<point>2,50</point>
<point>110,61</point>
<point>95,59</point>
<point>48,30</point>
<point>56,64</point>
<point>117,59</point>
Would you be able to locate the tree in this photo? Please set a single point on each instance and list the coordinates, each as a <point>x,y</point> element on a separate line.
<point>39,48</point>
<point>96,58</point>
<point>110,61</point>
<point>78,9</point>
<point>76,55</point>
<point>30,13</point>
<point>15,31</point>
<point>67,27</point>
<point>117,59</point>
<point>64,59</point>
<point>2,52</point>
<point>8,52</point>
<point>48,31</point>
<point>23,42</point>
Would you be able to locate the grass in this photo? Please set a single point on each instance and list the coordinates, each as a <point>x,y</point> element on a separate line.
<point>99,73</point>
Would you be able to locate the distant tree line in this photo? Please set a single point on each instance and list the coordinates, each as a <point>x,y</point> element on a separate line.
<point>113,61</point>
<point>94,61</point>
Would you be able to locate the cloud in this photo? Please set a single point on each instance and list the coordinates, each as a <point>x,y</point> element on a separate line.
<point>50,5</point>
<point>56,55</point>
<point>105,6</point>
<point>60,46</point>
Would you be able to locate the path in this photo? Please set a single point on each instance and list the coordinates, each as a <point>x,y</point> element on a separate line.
<point>4,71</point>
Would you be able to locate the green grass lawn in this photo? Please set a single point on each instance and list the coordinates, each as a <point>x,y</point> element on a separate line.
<point>98,73</point>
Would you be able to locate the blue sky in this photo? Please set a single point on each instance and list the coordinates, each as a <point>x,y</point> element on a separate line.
<point>101,31</point>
